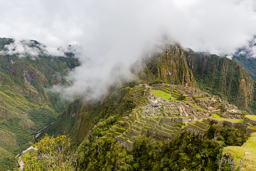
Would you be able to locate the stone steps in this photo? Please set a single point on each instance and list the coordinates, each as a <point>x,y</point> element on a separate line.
<point>207,121</point>
<point>117,133</point>
<point>139,124</point>
<point>147,126</point>
<point>120,138</point>
<point>250,129</point>
<point>134,132</point>
<point>118,129</point>
<point>136,128</point>
<point>165,129</point>
<point>202,125</point>
<point>174,128</point>
<point>151,121</point>
<point>109,135</point>
<point>170,124</point>
<point>161,133</point>
<point>195,129</point>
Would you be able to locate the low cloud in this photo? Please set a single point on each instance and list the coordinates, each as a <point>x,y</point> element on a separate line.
<point>32,48</point>
<point>114,34</point>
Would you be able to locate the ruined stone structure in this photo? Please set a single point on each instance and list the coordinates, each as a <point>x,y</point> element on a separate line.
<point>171,109</point>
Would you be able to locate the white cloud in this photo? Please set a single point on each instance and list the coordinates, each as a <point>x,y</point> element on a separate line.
<point>116,31</point>
<point>24,48</point>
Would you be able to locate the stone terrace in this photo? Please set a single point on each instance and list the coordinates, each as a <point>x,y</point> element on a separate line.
<point>168,109</point>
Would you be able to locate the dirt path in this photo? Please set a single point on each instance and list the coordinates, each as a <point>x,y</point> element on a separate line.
<point>20,161</point>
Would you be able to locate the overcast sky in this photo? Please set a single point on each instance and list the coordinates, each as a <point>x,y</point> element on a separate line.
<point>113,33</point>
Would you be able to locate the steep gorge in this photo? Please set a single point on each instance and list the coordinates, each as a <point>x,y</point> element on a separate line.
<point>25,105</point>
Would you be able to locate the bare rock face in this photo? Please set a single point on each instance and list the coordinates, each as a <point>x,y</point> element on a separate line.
<point>170,67</point>
<point>227,160</point>
<point>27,77</point>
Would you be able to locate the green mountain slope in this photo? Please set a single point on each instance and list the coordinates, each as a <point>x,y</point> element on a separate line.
<point>248,63</point>
<point>141,125</point>
<point>223,77</point>
<point>25,106</point>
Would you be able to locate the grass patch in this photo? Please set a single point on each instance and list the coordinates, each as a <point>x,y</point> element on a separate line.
<point>249,162</point>
<point>251,127</point>
<point>198,107</point>
<point>252,117</point>
<point>166,96</point>
<point>237,152</point>
<point>225,119</point>
<point>216,116</point>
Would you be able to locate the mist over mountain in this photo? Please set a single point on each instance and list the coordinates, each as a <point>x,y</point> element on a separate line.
<point>134,84</point>
<point>26,105</point>
<point>117,33</point>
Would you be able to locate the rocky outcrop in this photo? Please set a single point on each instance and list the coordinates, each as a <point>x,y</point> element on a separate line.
<point>195,129</point>
<point>227,159</point>
<point>169,66</point>
<point>249,121</point>
<point>250,130</point>
<point>235,123</point>
<point>240,157</point>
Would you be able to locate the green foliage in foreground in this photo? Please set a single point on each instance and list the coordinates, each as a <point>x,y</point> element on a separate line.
<point>51,154</point>
<point>185,152</point>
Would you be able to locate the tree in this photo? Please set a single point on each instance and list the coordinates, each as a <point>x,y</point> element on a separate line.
<point>51,154</point>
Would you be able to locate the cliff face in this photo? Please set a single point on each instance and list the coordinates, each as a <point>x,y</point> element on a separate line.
<point>170,67</point>
<point>247,62</point>
<point>222,76</point>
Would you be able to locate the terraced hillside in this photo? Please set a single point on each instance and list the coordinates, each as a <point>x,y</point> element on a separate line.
<point>170,110</point>
<point>211,73</point>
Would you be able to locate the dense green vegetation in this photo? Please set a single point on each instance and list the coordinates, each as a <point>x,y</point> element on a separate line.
<point>80,118</point>
<point>223,77</point>
<point>23,82</point>
<point>248,63</point>
<point>185,152</point>
<point>53,154</point>
<point>198,152</point>
<point>88,123</point>
<point>25,105</point>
